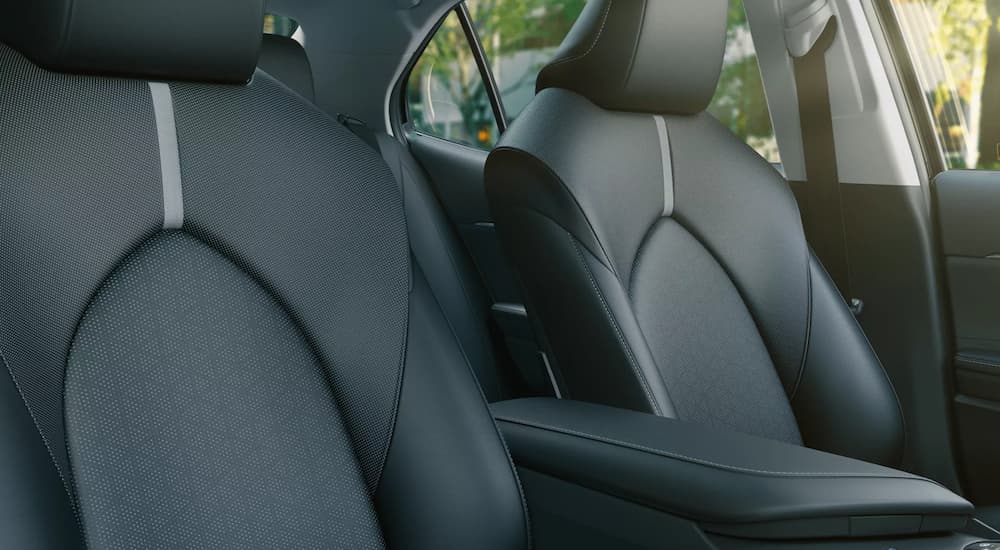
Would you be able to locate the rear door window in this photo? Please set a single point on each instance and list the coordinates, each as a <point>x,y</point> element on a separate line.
<point>446,93</point>
<point>519,38</point>
<point>954,46</point>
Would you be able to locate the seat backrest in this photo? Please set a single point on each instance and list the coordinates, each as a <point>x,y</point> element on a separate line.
<point>211,328</point>
<point>665,259</point>
<point>286,60</point>
<point>436,248</point>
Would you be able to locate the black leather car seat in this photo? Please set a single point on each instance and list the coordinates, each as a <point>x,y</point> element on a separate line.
<point>665,259</point>
<point>211,330</point>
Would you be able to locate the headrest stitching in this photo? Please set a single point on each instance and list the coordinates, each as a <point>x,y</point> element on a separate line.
<point>604,22</point>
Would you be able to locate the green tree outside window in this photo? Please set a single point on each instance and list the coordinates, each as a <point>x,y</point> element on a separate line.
<point>447,97</point>
<point>955,49</point>
<point>739,101</point>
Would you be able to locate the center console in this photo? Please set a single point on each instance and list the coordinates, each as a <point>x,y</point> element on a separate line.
<point>600,477</point>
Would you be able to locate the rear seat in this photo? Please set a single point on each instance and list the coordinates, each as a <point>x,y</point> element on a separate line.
<point>434,244</point>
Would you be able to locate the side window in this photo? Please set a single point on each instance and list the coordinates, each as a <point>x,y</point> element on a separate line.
<point>955,49</point>
<point>446,95</point>
<point>739,101</point>
<point>519,38</point>
<point>284,26</point>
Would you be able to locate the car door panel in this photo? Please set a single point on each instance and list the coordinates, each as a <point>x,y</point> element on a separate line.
<point>968,206</point>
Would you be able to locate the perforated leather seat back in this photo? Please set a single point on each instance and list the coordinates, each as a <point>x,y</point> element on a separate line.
<point>208,309</point>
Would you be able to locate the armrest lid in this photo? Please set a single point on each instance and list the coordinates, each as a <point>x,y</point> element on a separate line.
<point>729,482</point>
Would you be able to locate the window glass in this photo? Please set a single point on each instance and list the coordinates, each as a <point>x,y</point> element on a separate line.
<point>519,38</point>
<point>739,101</point>
<point>955,49</point>
<point>446,94</point>
<point>284,26</point>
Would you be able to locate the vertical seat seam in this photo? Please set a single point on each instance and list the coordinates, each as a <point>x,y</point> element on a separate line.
<point>63,476</point>
<point>643,382</point>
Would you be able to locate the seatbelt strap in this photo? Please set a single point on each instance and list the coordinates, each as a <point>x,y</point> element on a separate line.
<point>823,208</point>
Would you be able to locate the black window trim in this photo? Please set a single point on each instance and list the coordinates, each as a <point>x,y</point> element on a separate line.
<point>916,104</point>
<point>479,54</point>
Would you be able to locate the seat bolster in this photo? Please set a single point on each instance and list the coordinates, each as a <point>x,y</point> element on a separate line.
<point>563,281</point>
<point>35,510</point>
<point>574,285</point>
<point>516,179</point>
<point>596,173</point>
<point>447,267</point>
<point>844,402</point>
<point>448,482</point>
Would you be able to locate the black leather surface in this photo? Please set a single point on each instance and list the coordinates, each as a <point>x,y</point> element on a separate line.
<point>448,482</point>
<point>453,279</point>
<point>717,478</point>
<point>35,510</point>
<point>967,204</point>
<point>310,218</point>
<point>450,274</point>
<point>286,60</point>
<point>845,403</point>
<point>624,55</point>
<point>213,41</point>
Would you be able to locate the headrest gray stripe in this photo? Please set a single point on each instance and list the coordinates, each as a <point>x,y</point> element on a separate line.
<point>170,163</point>
<point>668,167</point>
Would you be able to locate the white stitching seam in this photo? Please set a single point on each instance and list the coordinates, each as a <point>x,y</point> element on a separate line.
<point>618,332</point>
<point>604,22</point>
<point>704,462</point>
<point>45,440</point>
<point>964,359</point>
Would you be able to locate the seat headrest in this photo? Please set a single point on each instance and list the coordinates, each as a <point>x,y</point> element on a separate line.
<point>286,60</point>
<point>653,56</point>
<point>199,40</point>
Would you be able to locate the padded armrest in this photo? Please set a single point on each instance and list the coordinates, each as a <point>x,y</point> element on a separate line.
<point>727,482</point>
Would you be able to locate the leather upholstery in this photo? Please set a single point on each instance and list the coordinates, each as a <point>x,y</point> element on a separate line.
<point>286,60</point>
<point>213,41</point>
<point>279,354</point>
<point>436,248</point>
<point>666,263</point>
<point>624,55</point>
<point>453,279</point>
<point>764,490</point>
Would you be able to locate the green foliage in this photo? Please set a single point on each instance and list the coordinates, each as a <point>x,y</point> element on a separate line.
<point>505,27</point>
<point>964,34</point>
<point>739,101</point>
<point>447,65</point>
<point>279,24</point>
